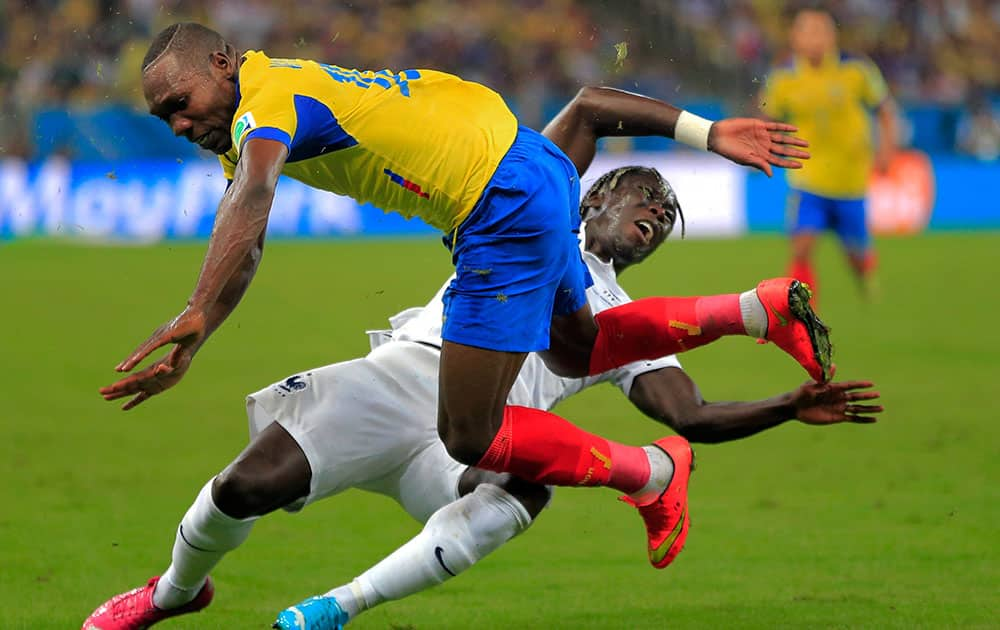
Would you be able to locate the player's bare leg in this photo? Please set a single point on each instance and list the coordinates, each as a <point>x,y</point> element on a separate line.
<point>864,264</point>
<point>493,508</point>
<point>270,473</point>
<point>543,448</point>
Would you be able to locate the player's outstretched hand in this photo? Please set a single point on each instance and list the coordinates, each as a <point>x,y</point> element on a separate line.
<point>757,143</point>
<point>158,377</point>
<point>187,331</point>
<point>830,403</point>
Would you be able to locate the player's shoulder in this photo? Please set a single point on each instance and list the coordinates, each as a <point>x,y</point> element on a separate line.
<point>261,73</point>
<point>860,61</point>
<point>783,68</point>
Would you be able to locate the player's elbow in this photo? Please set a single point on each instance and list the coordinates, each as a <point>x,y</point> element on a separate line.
<point>690,424</point>
<point>587,101</point>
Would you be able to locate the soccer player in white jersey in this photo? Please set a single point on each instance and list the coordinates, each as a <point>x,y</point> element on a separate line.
<point>370,423</point>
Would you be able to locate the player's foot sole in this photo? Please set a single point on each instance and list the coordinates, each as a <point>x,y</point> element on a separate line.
<point>799,295</point>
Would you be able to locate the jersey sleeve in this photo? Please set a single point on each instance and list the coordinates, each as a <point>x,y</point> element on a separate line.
<point>228,167</point>
<point>625,376</point>
<point>276,105</point>
<point>874,89</point>
<point>267,112</point>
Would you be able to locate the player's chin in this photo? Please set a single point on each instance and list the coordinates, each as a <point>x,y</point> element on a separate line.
<point>222,147</point>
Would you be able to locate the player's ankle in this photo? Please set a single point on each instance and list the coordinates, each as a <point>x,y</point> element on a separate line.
<point>753,313</point>
<point>167,596</point>
<point>661,472</point>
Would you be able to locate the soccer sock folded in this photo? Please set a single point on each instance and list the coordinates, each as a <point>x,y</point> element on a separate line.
<point>654,327</point>
<point>455,537</point>
<point>542,447</point>
<point>203,537</point>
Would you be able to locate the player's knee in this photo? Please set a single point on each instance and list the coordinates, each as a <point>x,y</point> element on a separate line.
<point>240,493</point>
<point>464,448</point>
<point>465,442</point>
<point>532,496</point>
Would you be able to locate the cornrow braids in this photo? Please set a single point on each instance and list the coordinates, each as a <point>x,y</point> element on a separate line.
<point>608,182</point>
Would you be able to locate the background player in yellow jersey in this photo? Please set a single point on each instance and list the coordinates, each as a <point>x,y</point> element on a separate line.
<point>429,144</point>
<point>829,95</point>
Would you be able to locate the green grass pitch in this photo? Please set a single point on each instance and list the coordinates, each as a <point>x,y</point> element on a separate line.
<point>891,525</point>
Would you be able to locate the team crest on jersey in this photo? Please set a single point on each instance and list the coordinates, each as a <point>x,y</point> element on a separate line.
<point>244,124</point>
<point>292,384</point>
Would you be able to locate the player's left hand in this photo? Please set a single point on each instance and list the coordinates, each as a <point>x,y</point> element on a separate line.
<point>830,403</point>
<point>757,143</point>
<point>187,331</point>
<point>158,377</point>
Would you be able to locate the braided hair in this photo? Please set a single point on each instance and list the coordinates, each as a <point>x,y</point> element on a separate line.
<point>609,181</point>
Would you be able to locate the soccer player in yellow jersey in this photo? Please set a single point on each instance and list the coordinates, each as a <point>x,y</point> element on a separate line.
<point>428,144</point>
<point>829,96</point>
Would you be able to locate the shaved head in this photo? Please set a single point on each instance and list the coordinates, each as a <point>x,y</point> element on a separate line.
<point>189,80</point>
<point>190,43</point>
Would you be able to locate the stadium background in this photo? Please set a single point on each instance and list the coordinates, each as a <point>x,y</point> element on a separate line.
<point>885,526</point>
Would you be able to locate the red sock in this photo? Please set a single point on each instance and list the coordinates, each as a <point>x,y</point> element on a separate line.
<point>654,327</point>
<point>802,270</point>
<point>542,447</point>
<point>869,263</point>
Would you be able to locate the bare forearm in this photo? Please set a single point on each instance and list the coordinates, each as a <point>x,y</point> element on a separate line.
<point>596,112</point>
<point>234,290</point>
<point>671,397</point>
<point>239,224</point>
<point>726,421</point>
<point>888,133</point>
<point>618,113</point>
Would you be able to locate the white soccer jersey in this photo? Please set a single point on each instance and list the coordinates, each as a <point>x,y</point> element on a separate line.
<point>536,386</point>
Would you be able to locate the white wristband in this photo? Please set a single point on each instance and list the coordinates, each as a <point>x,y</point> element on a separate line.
<point>692,130</point>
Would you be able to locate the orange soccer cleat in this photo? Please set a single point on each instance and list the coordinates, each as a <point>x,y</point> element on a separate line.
<point>666,517</point>
<point>794,327</point>
<point>134,610</point>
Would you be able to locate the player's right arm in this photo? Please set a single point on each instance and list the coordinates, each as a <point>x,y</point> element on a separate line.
<point>234,251</point>
<point>597,112</point>
<point>669,396</point>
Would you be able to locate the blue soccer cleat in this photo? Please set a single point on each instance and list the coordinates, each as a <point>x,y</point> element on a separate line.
<point>315,613</point>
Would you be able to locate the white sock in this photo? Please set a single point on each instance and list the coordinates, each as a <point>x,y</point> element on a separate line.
<point>661,471</point>
<point>203,537</point>
<point>454,538</point>
<point>754,315</point>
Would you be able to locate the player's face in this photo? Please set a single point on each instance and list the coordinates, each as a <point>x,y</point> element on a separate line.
<point>813,35</point>
<point>197,103</point>
<point>632,222</point>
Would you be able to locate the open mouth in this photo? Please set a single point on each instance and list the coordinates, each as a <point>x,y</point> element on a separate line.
<point>647,229</point>
<point>203,140</point>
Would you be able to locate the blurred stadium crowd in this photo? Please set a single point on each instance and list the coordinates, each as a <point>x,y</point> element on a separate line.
<point>938,55</point>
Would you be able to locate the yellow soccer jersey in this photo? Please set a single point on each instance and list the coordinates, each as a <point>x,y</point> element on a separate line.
<point>830,105</point>
<point>418,142</point>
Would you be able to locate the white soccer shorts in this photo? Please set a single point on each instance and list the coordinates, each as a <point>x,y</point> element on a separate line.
<point>369,423</point>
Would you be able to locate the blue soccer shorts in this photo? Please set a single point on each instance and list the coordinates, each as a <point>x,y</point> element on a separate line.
<point>517,255</point>
<point>845,217</point>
